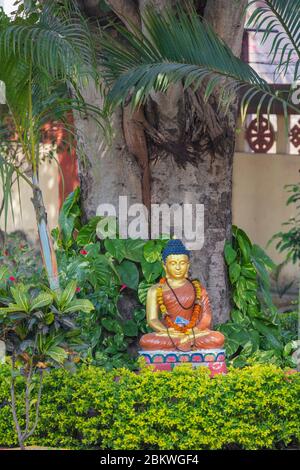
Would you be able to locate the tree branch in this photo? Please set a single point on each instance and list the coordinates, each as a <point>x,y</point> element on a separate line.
<point>13,401</point>
<point>37,407</point>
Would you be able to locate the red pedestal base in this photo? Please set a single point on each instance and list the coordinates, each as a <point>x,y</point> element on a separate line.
<point>213,359</point>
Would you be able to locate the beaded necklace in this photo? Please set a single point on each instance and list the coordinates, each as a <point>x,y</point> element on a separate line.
<point>196,307</point>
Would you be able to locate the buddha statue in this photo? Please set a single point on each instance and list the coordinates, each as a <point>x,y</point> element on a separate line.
<point>178,309</point>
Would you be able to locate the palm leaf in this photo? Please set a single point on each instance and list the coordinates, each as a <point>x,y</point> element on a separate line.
<point>44,64</point>
<point>279,19</point>
<point>59,42</point>
<point>176,46</point>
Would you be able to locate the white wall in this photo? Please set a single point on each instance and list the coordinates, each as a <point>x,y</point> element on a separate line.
<point>259,198</point>
<point>24,215</point>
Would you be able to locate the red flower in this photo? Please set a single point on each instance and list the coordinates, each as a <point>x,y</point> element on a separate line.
<point>78,289</point>
<point>5,253</point>
<point>83,252</point>
<point>12,278</point>
<point>123,286</point>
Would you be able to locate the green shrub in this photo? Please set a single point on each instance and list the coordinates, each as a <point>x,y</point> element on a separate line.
<point>256,407</point>
<point>111,273</point>
<point>254,332</point>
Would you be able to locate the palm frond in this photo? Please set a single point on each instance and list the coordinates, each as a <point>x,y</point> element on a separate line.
<point>59,42</point>
<point>10,174</point>
<point>44,64</point>
<point>176,46</point>
<point>45,61</point>
<point>279,20</point>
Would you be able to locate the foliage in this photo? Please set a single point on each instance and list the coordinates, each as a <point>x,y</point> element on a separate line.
<point>107,271</point>
<point>46,55</point>
<point>290,241</point>
<point>38,325</point>
<point>179,46</point>
<point>254,332</point>
<point>252,408</point>
<point>21,259</point>
<point>39,331</point>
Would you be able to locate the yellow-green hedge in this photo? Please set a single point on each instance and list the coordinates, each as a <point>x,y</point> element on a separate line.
<point>256,407</point>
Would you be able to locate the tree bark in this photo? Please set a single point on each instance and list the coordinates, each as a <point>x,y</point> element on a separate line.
<point>180,149</point>
<point>107,170</point>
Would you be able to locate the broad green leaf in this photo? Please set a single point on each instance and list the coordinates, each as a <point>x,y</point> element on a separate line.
<point>230,253</point>
<point>248,270</point>
<point>130,328</point>
<point>255,339</point>
<point>253,311</point>
<point>231,346</point>
<point>67,295</point>
<point>245,338</point>
<point>87,233</point>
<point>152,251</point>
<point>42,300</point>
<point>12,308</point>
<point>55,234</point>
<point>240,302</point>
<point>258,253</point>
<point>250,297</point>
<point>143,290</point>
<point>129,274</point>
<point>100,271</point>
<point>251,285</point>
<point>69,215</point>
<point>269,332</point>
<point>78,269</point>
<point>79,305</point>
<point>71,200</point>
<point>134,249</point>
<point>111,325</point>
<point>58,354</point>
<point>237,316</point>
<point>241,285</point>
<point>116,248</point>
<point>21,298</point>
<point>244,246</point>
<point>288,348</point>
<point>262,272</point>
<point>267,299</point>
<point>152,271</point>
<point>234,272</point>
<point>139,315</point>
<point>93,250</point>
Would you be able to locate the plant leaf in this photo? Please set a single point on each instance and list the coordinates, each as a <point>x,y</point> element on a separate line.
<point>42,300</point>
<point>79,305</point>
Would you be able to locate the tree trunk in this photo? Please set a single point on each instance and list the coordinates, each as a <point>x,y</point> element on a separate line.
<point>186,144</point>
<point>46,243</point>
<point>106,170</point>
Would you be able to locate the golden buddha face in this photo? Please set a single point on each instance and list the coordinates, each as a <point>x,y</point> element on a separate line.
<point>177,266</point>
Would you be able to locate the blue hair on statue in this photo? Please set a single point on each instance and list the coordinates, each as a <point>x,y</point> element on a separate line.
<point>174,247</point>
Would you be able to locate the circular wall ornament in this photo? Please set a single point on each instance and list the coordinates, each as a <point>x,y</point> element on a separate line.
<point>295,135</point>
<point>260,135</point>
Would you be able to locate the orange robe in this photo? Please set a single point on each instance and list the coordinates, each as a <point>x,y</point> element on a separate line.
<point>208,340</point>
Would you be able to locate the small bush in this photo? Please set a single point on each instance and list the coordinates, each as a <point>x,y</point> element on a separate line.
<point>256,407</point>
